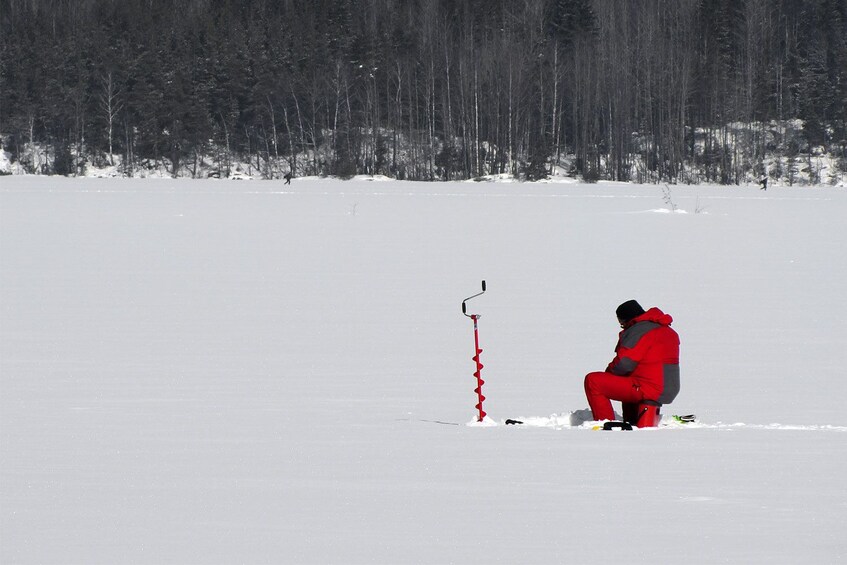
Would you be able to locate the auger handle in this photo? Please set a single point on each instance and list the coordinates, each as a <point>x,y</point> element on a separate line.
<point>464,306</point>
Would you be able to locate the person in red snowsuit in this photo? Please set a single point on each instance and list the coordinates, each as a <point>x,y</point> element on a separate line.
<point>645,367</point>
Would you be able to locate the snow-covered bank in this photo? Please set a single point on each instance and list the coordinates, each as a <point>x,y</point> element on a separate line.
<point>212,372</point>
<point>725,155</point>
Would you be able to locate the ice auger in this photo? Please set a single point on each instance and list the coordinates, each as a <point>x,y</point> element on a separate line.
<point>477,351</point>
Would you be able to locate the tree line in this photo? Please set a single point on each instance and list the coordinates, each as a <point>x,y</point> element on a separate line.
<point>646,90</point>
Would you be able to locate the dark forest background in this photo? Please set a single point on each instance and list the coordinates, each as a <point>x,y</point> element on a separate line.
<point>646,90</point>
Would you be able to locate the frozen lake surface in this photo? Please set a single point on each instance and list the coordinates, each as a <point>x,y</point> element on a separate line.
<point>224,372</point>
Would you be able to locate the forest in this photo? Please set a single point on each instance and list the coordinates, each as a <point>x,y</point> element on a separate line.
<point>673,91</point>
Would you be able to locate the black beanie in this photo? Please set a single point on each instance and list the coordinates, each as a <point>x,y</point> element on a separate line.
<point>629,310</point>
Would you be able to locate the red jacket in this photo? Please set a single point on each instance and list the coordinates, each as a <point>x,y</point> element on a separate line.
<point>648,351</point>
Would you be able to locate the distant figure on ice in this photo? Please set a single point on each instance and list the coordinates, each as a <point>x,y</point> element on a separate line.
<point>764,182</point>
<point>644,374</point>
<point>288,176</point>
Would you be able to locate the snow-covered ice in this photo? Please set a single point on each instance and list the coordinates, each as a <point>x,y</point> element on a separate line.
<point>215,372</point>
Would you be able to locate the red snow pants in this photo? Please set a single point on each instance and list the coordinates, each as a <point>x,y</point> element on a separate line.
<point>601,388</point>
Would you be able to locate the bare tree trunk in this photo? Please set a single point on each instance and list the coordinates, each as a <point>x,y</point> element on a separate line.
<point>111,105</point>
<point>228,149</point>
<point>398,117</point>
<point>300,121</point>
<point>292,164</point>
<point>511,141</point>
<point>275,137</point>
<point>448,124</point>
<point>555,105</point>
